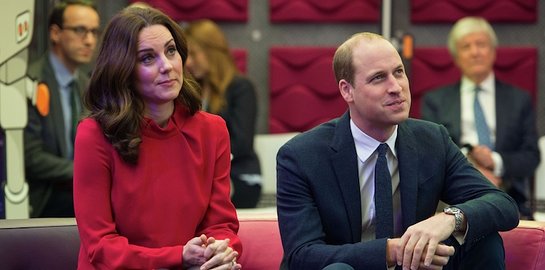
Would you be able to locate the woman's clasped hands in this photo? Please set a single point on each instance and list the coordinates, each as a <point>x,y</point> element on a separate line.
<point>204,253</point>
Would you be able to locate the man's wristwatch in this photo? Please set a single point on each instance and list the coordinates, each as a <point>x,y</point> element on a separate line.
<point>458,217</point>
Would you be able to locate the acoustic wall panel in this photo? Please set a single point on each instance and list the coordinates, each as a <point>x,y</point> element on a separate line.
<point>324,11</point>
<point>303,90</point>
<point>189,10</point>
<point>441,11</point>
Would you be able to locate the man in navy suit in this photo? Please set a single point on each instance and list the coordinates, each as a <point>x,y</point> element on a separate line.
<point>510,154</point>
<point>325,189</point>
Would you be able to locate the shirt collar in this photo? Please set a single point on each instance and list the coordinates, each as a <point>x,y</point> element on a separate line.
<point>366,145</point>
<point>487,85</point>
<point>62,74</point>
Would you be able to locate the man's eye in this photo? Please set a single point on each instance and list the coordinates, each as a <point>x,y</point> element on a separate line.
<point>80,30</point>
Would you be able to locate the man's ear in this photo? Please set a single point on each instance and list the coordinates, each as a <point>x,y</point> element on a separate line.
<point>54,33</point>
<point>346,90</point>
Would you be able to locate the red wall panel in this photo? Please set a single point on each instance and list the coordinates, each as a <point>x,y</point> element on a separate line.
<point>436,11</point>
<point>240,57</point>
<point>303,90</point>
<point>189,10</point>
<point>324,11</point>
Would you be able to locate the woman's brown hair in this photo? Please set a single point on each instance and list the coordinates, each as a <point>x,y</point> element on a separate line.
<point>111,97</point>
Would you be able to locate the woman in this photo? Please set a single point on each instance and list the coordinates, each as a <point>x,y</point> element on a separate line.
<point>226,93</point>
<point>151,171</point>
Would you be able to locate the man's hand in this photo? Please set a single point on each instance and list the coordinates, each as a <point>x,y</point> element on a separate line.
<point>420,245</point>
<point>482,156</point>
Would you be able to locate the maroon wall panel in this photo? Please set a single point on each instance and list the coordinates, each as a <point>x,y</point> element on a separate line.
<point>303,90</point>
<point>324,11</point>
<point>189,10</point>
<point>434,11</point>
<point>240,57</point>
<point>433,67</point>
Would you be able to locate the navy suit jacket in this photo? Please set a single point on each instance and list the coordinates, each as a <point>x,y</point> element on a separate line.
<point>318,194</point>
<point>46,160</point>
<point>516,134</point>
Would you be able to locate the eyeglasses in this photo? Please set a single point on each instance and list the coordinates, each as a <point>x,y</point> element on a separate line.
<point>82,31</point>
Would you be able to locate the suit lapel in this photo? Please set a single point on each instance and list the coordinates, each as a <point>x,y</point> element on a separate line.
<point>345,164</point>
<point>408,160</point>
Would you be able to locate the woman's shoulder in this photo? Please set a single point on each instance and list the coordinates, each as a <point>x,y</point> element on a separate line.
<point>207,121</point>
<point>90,130</point>
<point>89,124</point>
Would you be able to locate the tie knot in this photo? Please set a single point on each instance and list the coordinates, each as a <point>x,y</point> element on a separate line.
<point>478,89</point>
<point>382,148</point>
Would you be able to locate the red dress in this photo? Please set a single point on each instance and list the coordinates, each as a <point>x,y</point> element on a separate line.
<point>139,217</point>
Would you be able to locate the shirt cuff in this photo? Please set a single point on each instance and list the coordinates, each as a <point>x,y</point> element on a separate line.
<point>498,164</point>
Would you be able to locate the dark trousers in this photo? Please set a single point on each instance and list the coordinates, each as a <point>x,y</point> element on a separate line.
<point>245,195</point>
<point>60,204</point>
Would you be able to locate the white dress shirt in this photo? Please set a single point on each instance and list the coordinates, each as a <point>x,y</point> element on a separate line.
<point>367,157</point>
<point>487,98</point>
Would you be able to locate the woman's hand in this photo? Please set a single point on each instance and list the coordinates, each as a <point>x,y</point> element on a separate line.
<point>220,256</point>
<point>193,253</point>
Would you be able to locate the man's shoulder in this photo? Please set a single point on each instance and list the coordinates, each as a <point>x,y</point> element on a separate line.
<point>41,69</point>
<point>513,90</point>
<point>35,68</point>
<point>442,90</point>
<point>419,127</point>
<point>320,134</point>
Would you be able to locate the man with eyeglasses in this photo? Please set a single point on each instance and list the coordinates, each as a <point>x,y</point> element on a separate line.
<point>49,139</point>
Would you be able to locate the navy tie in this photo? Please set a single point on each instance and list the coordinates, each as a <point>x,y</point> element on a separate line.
<point>483,132</point>
<point>384,222</point>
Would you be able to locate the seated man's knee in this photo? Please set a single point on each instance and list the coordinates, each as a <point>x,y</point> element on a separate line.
<point>338,266</point>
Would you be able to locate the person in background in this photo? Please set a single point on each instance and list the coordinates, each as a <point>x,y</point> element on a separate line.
<point>49,139</point>
<point>496,124</point>
<point>232,96</point>
<point>151,170</point>
<point>361,191</point>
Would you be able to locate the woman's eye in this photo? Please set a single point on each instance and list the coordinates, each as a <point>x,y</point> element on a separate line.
<point>146,59</point>
<point>171,50</point>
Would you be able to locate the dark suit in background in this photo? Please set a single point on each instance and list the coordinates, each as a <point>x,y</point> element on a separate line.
<point>48,166</point>
<point>516,134</point>
<point>319,195</point>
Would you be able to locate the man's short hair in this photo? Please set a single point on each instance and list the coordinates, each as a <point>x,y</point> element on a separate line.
<point>57,15</point>
<point>343,61</point>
